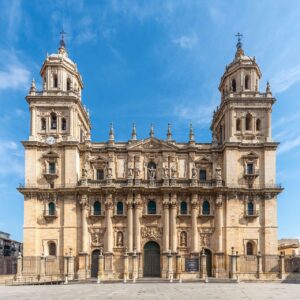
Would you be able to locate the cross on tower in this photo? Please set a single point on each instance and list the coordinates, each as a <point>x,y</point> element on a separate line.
<point>239,43</point>
<point>62,39</point>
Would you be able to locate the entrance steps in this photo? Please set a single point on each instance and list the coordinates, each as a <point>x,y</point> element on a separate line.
<point>154,280</point>
<point>221,280</point>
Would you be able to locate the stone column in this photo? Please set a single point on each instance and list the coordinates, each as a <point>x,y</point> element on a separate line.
<point>134,266</point>
<point>195,211</point>
<point>130,223</point>
<point>71,270</point>
<point>170,266</point>
<point>281,266</point>
<point>33,121</point>
<point>166,220</point>
<point>84,225</point>
<point>203,272</point>
<point>125,277</point>
<point>259,265</point>
<point>100,267</point>
<point>233,264</point>
<point>137,223</point>
<point>108,220</point>
<point>219,223</point>
<point>20,266</point>
<point>173,223</point>
<point>178,267</point>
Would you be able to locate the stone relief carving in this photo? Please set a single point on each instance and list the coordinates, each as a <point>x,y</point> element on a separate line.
<point>151,233</point>
<point>97,237</point>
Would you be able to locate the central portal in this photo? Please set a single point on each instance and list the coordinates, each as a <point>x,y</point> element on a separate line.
<point>151,260</point>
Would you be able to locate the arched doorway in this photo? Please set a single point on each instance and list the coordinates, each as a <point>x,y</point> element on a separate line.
<point>208,262</point>
<point>95,264</point>
<point>151,260</point>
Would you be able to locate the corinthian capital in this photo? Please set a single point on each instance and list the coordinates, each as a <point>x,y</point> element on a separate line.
<point>84,201</point>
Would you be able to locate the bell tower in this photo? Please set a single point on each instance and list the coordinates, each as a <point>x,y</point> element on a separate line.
<point>244,115</point>
<point>57,109</point>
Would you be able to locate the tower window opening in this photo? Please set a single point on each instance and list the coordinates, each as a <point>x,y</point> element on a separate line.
<point>63,124</point>
<point>247,79</point>
<point>250,209</point>
<point>258,125</point>
<point>68,84</point>
<point>248,122</point>
<point>183,208</point>
<point>52,249</point>
<point>249,248</point>
<point>43,124</point>
<point>238,125</point>
<point>206,208</point>
<point>55,81</point>
<point>151,207</point>
<point>233,85</point>
<point>53,121</point>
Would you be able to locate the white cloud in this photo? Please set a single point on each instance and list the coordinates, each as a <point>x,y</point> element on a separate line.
<point>11,159</point>
<point>13,74</point>
<point>186,41</point>
<point>197,114</point>
<point>285,79</point>
<point>289,145</point>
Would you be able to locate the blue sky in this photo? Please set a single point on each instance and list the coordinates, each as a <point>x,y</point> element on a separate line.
<point>150,61</point>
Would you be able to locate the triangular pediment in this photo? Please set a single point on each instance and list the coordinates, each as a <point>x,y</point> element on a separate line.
<point>203,160</point>
<point>152,144</point>
<point>98,159</point>
<point>251,155</point>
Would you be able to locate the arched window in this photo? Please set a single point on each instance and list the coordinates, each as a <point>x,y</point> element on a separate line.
<point>249,248</point>
<point>63,124</point>
<point>53,121</point>
<point>52,249</point>
<point>68,84</point>
<point>250,209</point>
<point>238,124</point>
<point>51,209</point>
<point>120,208</point>
<point>55,81</point>
<point>247,82</point>
<point>248,122</point>
<point>183,208</point>
<point>97,208</point>
<point>151,207</point>
<point>151,170</point>
<point>206,208</point>
<point>43,124</point>
<point>258,125</point>
<point>233,85</point>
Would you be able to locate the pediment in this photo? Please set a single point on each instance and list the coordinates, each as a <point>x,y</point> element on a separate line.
<point>203,160</point>
<point>250,155</point>
<point>98,159</point>
<point>50,154</point>
<point>152,144</point>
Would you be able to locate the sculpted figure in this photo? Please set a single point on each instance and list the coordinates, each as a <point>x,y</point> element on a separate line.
<point>173,171</point>
<point>152,172</point>
<point>119,238</point>
<point>194,173</point>
<point>166,172</point>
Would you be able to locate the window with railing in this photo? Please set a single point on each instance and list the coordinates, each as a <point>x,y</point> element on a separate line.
<point>250,209</point>
<point>51,209</point>
<point>183,208</point>
<point>99,174</point>
<point>250,168</point>
<point>202,175</point>
<point>151,208</point>
<point>206,208</point>
<point>97,208</point>
<point>120,208</point>
<point>52,168</point>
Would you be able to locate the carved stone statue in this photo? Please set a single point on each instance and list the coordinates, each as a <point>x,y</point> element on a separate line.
<point>152,173</point>
<point>183,239</point>
<point>109,173</point>
<point>165,172</point>
<point>137,173</point>
<point>120,239</point>
<point>218,173</point>
<point>130,172</point>
<point>194,173</point>
<point>173,171</point>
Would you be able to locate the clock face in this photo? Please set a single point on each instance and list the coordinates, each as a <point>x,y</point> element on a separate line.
<point>50,140</point>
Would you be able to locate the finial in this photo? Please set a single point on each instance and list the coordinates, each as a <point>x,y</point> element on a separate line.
<point>111,133</point>
<point>62,44</point>
<point>169,133</point>
<point>239,49</point>
<point>191,135</point>
<point>151,134</point>
<point>268,87</point>
<point>32,87</point>
<point>133,134</point>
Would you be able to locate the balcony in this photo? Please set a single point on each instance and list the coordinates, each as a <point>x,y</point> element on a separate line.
<point>206,214</point>
<point>96,214</point>
<point>50,214</point>
<point>251,214</point>
<point>50,175</point>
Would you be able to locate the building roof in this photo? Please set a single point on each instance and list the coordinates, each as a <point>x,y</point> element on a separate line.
<point>288,242</point>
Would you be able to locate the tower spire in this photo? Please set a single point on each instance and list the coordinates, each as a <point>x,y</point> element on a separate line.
<point>151,134</point>
<point>239,45</point>
<point>169,133</point>
<point>133,134</point>
<point>62,43</point>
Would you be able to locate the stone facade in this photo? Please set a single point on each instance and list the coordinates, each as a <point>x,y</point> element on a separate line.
<point>150,207</point>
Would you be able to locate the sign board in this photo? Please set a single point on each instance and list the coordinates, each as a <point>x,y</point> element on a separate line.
<point>191,264</point>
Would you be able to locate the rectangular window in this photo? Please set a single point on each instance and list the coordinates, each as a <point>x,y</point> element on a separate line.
<point>52,168</point>
<point>202,175</point>
<point>250,169</point>
<point>100,174</point>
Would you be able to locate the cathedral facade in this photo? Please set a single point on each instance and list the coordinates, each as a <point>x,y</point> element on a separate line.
<point>150,207</point>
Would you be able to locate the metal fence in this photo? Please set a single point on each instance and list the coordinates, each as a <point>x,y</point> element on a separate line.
<point>8,265</point>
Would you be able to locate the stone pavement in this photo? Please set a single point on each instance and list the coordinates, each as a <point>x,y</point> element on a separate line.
<point>180,291</point>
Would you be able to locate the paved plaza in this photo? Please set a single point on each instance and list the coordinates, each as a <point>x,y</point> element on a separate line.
<point>153,291</point>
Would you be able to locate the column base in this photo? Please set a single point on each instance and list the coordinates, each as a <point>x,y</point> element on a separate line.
<point>165,266</point>
<point>83,270</point>
<point>108,265</point>
<point>219,271</point>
